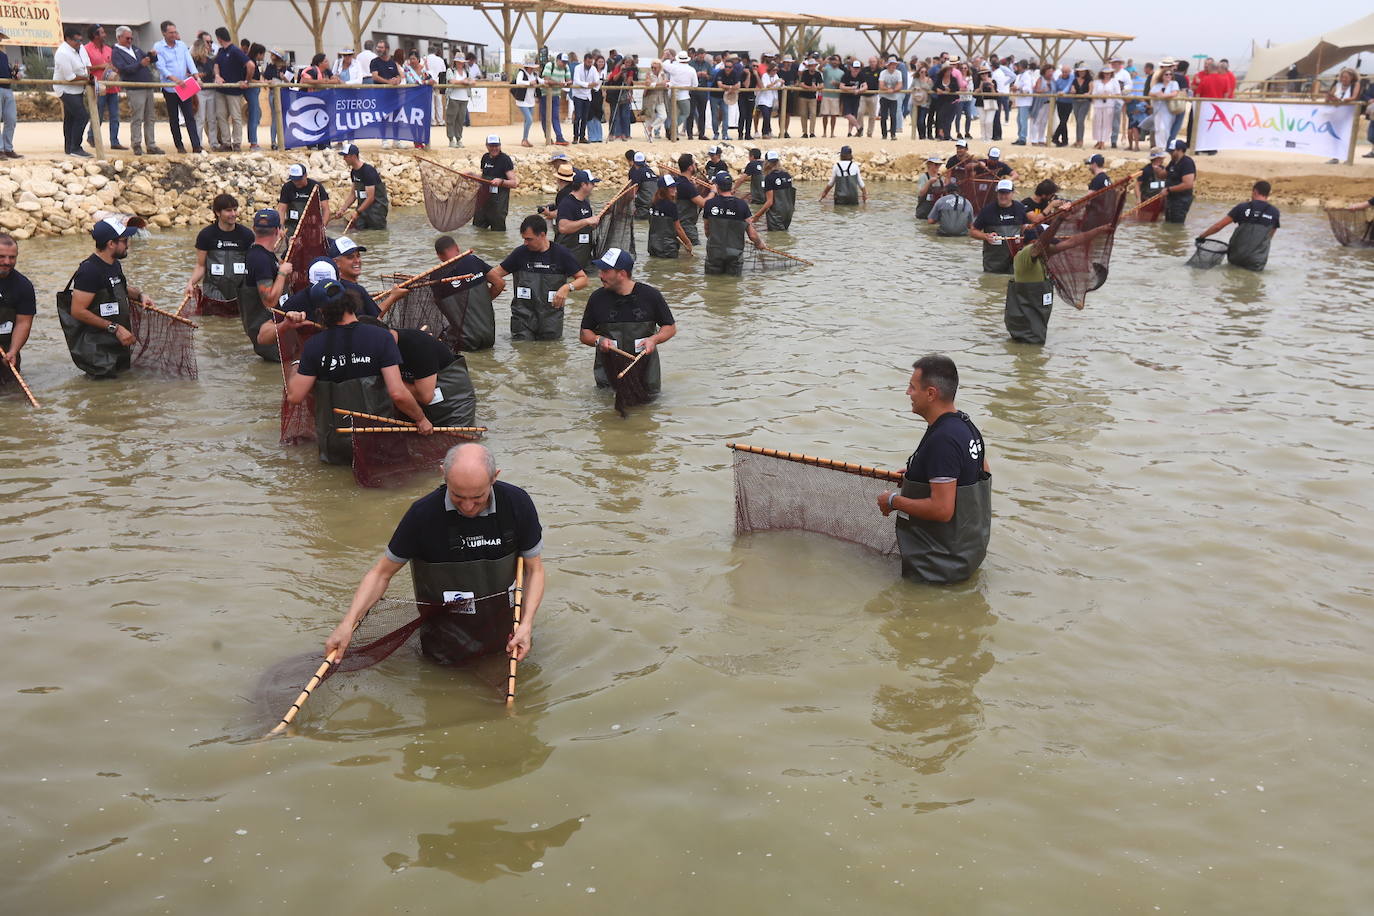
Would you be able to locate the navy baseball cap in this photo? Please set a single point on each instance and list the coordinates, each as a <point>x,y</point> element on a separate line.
<point>350,150</point>
<point>111,228</point>
<point>615,259</point>
<point>582,176</point>
<point>1095,159</point>
<point>323,291</point>
<point>723,181</point>
<point>846,149</point>
<point>267,219</point>
<point>1179,144</point>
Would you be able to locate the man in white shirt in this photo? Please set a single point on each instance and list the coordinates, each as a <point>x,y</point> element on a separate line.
<point>364,62</point>
<point>1021,90</point>
<point>69,62</point>
<point>681,80</point>
<point>585,78</point>
<point>1122,79</point>
<point>434,66</point>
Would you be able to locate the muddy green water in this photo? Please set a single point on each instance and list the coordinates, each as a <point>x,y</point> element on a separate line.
<point>1154,697</point>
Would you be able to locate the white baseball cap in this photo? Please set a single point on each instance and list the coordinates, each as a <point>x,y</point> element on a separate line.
<point>639,157</point>
<point>492,139</point>
<point>1005,185</point>
<point>935,158</point>
<point>322,269</point>
<point>961,143</point>
<point>771,154</point>
<point>344,245</point>
<point>995,153</point>
<point>296,171</point>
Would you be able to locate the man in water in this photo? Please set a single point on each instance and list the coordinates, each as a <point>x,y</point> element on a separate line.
<point>221,248</point>
<point>779,194</point>
<point>368,188</point>
<point>1030,292</point>
<point>348,259</point>
<point>577,219</point>
<point>434,375</point>
<point>625,315</point>
<point>543,273</point>
<point>929,186</point>
<point>846,180</point>
<point>714,162</point>
<point>1256,222</point>
<point>689,197</point>
<point>463,539</point>
<point>1002,218</point>
<point>728,223</point>
<point>996,167</point>
<point>1179,177</point>
<point>95,319</point>
<point>944,508</point>
<point>1097,168</point>
<point>952,212</point>
<point>1150,181</point>
<point>466,303</point>
<point>268,279</point>
<point>753,170</point>
<point>295,193</point>
<point>645,180</point>
<point>18,304</point>
<point>499,169</point>
<point>1043,201</point>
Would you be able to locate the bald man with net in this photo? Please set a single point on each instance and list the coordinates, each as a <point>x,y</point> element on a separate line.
<point>464,541</point>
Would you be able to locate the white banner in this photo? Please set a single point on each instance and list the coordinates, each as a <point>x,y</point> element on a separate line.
<point>477,99</point>
<point>1284,127</point>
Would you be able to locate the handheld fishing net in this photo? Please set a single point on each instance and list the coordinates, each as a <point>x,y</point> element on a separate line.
<point>632,390</point>
<point>418,310</point>
<point>766,259</point>
<point>1352,228</point>
<point>1147,211</point>
<point>163,343</point>
<point>1209,253</point>
<point>1080,269</point>
<point>388,626</point>
<point>308,243</point>
<point>452,199</point>
<point>389,459</point>
<point>786,491</point>
<point>201,304</point>
<point>978,191</point>
<point>617,226</point>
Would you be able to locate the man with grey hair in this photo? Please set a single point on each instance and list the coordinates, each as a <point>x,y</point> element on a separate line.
<point>465,540</point>
<point>135,66</point>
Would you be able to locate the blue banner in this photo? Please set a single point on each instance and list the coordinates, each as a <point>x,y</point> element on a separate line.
<point>339,115</point>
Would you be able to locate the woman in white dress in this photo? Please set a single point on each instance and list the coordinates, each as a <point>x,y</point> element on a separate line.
<point>1103,109</point>
<point>1162,91</point>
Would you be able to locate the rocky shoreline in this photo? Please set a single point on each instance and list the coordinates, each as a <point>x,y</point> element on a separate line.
<point>62,197</point>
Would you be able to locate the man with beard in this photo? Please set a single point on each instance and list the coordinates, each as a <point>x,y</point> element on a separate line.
<point>626,315</point>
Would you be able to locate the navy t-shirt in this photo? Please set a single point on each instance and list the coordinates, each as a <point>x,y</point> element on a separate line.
<point>722,207</point>
<point>664,208</point>
<point>95,276</point>
<point>997,167</point>
<point>644,303</point>
<point>776,180</point>
<point>369,306</point>
<point>423,532</point>
<point>686,188</point>
<point>290,193</point>
<point>570,208</point>
<point>557,260</point>
<point>384,68</point>
<point>1099,181</point>
<point>213,238</point>
<point>497,166</point>
<point>17,291</point>
<point>422,355</point>
<point>995,216</point>
<point>233,64</point>
<point>640,173</point>
<point>951,449</point>
<point>1256,211</point>
<point>261,265</point>
<point>467,264</point>
<point>1174,171</point>
<point>349,351</point>
<point>752,167</point>
<point>366,175</point>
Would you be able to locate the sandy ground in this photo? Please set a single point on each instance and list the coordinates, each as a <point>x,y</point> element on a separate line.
<point>1298,179</point>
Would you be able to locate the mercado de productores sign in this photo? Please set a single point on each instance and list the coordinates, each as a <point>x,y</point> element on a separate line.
<point>36,23</point>
<point>339,115</point>
<point>1283,127</point>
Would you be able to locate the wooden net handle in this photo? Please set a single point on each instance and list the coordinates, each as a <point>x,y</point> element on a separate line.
<point>860,470</point>
<point>165,313</point>
<point>623,191</point>
<point>372,416</point>
<point>313,324</point>
<point>519,605</point>
<point>453,430</point>
<point>486,181</point>
<point>15,371</point>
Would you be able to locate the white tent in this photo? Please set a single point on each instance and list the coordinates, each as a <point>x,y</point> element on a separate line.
<point>1312,55</point>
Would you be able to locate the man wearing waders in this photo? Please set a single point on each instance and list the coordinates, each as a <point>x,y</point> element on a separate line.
<point>543,274</point>
<point>666,237</point>
<point>220,251</point>
<point>576,219</point>
<point>1002,218</point>
<point>1030,292</point>
<point>753,170</point>
<point>944,509</point>
<point>630,316</point>
<point>353,366</point>
<point>369,190</point>
<point>1256,222</point>
<point>434,375</point>
<point>266,286</point>
<point>499,169</point>
<point>779,195</point>
<point>846,181</point>
<point>728,224</point>
<point>1150,181</point>
<point>952,213</point>
<point>94,308</point>
<point>929,187</point>
<point>1179,177</point>
<point>645,180</point>
<point>467,304</point>
<point>464,541</point>
<point>689,197</point>
<point>295,194</point>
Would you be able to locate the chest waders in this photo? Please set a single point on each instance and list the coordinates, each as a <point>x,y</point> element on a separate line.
<point>295,209</point>
<point>8,313</point>
<point>225,271</point>
<point>663,240</point>
<point>625,333</point>
<point>756,195</point>
<point>95,351</point>
<point>779,216</point>
<point>253,314</point>
<point>929,194</point>
<point>687,215</point>
<point>846,186</point>
<point>725,247</point>
<point>1177,205</point>
<point>955,220</point>
<point>1027,313</point>
<point>456,403</point>
<point>364,395</point>
<point>996,258</point>
<point>579,243</point>
<point>492,213</point>
<point>941,552</point>
<point>374,217</point>
<point>1150,188</point>
<point>644,197</point>
<point>476,616</point>
<point>1249,246</point>
<point>532,315</point>
<point>471,318</point>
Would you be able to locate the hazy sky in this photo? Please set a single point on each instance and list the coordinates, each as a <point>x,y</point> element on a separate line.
<point>1224,28</point>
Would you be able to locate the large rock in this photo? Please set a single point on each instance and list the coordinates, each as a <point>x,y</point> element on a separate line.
<point>12,219</point>
<point>45,188</point>
<point>140,185</point>
<point>28,206</point>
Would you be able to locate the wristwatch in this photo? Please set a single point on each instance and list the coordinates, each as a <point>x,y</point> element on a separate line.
<point>112,328</point>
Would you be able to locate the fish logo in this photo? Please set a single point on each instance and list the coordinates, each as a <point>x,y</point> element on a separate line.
<point>308,118</point>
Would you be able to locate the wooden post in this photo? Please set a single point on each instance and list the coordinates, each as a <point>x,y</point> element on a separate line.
<point>94,114</point>
<point>1192,133</point>
<point>1354,134</point>
<point>278,115</point>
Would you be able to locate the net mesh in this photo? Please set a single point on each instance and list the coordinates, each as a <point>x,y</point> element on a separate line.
<point>770,259</point>
<point>1209,253</point>
<point>390,459</point>
<point>419,311</point>
<point>779,494</point>
<point>1080,269</point>
<point>162,345</point>
<point>1352,228</point>
<point>617,226</point>
<point>1147,212</point>
<point>307,244</point>
<point>632,390</point>
<point>201,304</point>
<point>386,628</point>
<point>978,191</point>
<point>451,199</point>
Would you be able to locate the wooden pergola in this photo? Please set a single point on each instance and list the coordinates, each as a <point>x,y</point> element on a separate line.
<point>887,36</point>
<point>796,29</point>
<point>1109,43</point>
<point>673,25</point>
